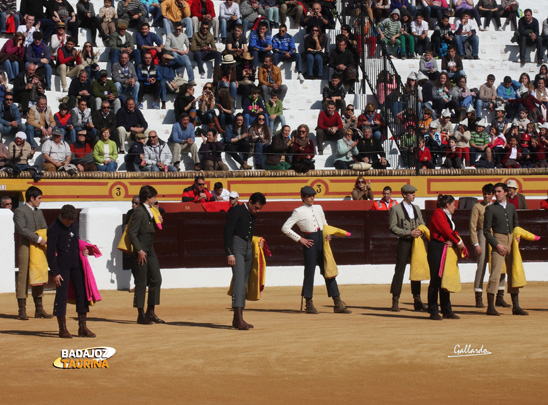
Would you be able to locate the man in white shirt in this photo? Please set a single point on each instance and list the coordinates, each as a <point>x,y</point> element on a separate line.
<point>310,219</point>
<point>419,29</point>
<point>220,193</point>
<point>466,31</point>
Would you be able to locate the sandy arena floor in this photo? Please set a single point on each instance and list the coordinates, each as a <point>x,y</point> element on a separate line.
<point>371,356</point>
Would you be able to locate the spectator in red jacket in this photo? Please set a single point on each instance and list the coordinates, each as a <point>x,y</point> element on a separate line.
<point>544,204</point>
<point>452,159</point>
<point>197,192</point>
<point>330,126</point>
<point>198,17</point>
<point>82,153</point>
<point>386,202</point>
<point>425,158</point>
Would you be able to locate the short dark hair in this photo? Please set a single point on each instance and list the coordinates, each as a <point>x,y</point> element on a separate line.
<point>488,188</point>
<point>490,77</point>
<point>32,192</point>
<point>198,178</point>
<point>444,199</point>
<point>282,26</point>
<point>145,24</point>
<point>183,115</point>
<point>71,39</point>
<point>257,198</point>
<point>63,106</point>
<point>68,212</point>
<point>240,26</point>
<point>503,185</point>
<point>37,35</point>
<point>177,24</point>
<point>147,192</point>
<point>387,188</point>
<point>218,185</point>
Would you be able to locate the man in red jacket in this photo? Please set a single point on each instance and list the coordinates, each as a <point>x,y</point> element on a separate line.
<point>330,126</point>
<point>203,10</point>
<point>198,192</point>
<point>385,203</point>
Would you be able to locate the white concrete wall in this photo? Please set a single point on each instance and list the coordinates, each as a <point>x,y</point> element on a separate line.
<point>7,251</point>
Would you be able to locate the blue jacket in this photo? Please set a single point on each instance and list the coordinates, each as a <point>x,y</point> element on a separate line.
<point>506,93</point>
<point>14,113</point>
<point>143,75</point>
<point>283,44</point>
<point>167,73</point>
<point>256,42</point>
<point>150,40</point>
<point>178,134</point>
<point>32,57</point>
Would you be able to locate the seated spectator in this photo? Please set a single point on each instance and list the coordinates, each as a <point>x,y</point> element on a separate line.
<point>20,151</point>
<point>283,47</point>
<point>371,119</point>
<point>81,119</point>
<point>334,91</point>
<point>346,152</point>
<point>500,120</point>
<point>530,103</point>
<point>351,40</point>
<point>406,36</point>
<point>58,40</point>
<point>272,12</point>
<point>210,152</point>
<point>250,11</point>
<point>10,117</point>
<point>260,43</point>
<point>158,157</point>
<point>120,42</point>
<point>40,121</point>
<point>441,94</point>
<point>498,144</point>
<point>438,9</point>
<point>15,53</point>
<point>125,77</point>
<point>220,193</point>
<point>135,158</point>
<point>452,64</point>
<point>385,203</point>
<point>179,47</point>
<point>350,120</point>
<point>419,30</point>
<point>225,76</point>
<point>185,102</point>
<point>303,150</point>
<point>314,51</point>
<point>245,75</point>
<point>506,94</point>
<point>390,32</point>
<point>487,95</point>
<point>203,48</point>
<point>252,106</point>
<point>463,136</point>
<point>104,90</point>
<point>130,121</point>
<point>259,138</point>
<point>425,94</point>
<point>342,62</point>
<point>177,11</point>
<point>229,17</point>
<point>270,79</point>
<point>490,10</point>
<point>425,158</point>
<point>529,34</point>
<point>329,126</point>
<point>371,151</point>
<point>526,160</point>
<point>105,153</point>
<point>509,10</point>
<point>435,146</point>
<point>88,19</point>
<point>69,63</point>
<point>236,142</point>
<point>362,189</point>
<point>38,54</point>
<point>171,82</point>
<point>236,43</point>
<point>104,117</point>
<point>293,9</point>
<point>317,16</point>
<point>82,153</point>
<point>9,10</point>
<point>56,152</point>
<point>280,149</point>
<point>197,8</point>
<point>274,109</point>
<point>444,126</point>
<point>452,158</point>
<point>538,152</point>
<point>479,142</point>
<point>466,32</point>
<point>512,153</point>
<point>463,96</point>
<point>467,5</point>
<point>149,79</point>
<point>425,122</point>
<point>63,122</point>
<point>132,11</point>
<point>107,17</point>
<point>182,140</point>
<point>443,36</point>
<point>541,92</point>
<point>205,109</point>
<point>28,29</point>
<point>149,42</point>
<point>198,192</point>
<point>80,89</point>
<point>153,9</point>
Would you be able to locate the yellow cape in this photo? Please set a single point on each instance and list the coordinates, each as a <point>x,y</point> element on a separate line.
<point>419,269</point>
<point>518,272</point>
<point>330,267</point>
<point>38,261</point>
<point>156,215</point>
<point>257,276</point>
<point>450,279</point>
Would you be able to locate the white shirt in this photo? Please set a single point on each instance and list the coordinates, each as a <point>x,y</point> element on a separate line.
<point>22,29</point>
<point>309,218</point>
<point>224,194</point>
<point>415,29</point>
<point>409,209</point>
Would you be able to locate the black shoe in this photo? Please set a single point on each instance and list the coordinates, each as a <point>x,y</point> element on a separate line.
<point>436,317</point>
<point>142,319</point>
<point>519,311</point>
<point>152,316</point>
<point>451,315</point>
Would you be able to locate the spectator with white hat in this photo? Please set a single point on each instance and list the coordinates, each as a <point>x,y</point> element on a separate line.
<point>515,198</point>
<point>233,197</point>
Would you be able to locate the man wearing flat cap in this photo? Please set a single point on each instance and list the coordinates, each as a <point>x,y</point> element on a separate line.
<point>104,89</point>
<point>310,219</point>
<point>515,198</point>
<point>404,219</point>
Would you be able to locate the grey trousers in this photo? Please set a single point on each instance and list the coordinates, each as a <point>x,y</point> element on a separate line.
<point>483,261</point>
<point>240,271</point>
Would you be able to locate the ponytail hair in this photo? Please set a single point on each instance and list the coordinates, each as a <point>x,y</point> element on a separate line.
<point>444,199</point>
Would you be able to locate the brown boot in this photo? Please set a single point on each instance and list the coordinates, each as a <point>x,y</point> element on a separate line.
<point>63,332</point>
<point>418,304</point>
<point>152,316</point>
<point>82,328</point>
<point>340,306</point>
<point>309,307</point>
<point>142,319</point>
<point>516,310</point>
<point>479,303</point>
<point>22,315</point>
<point>395,301</point>
<point>238,321</point>
<point>40,313</point>
<point>491,305</point>
<point>500,300</point>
